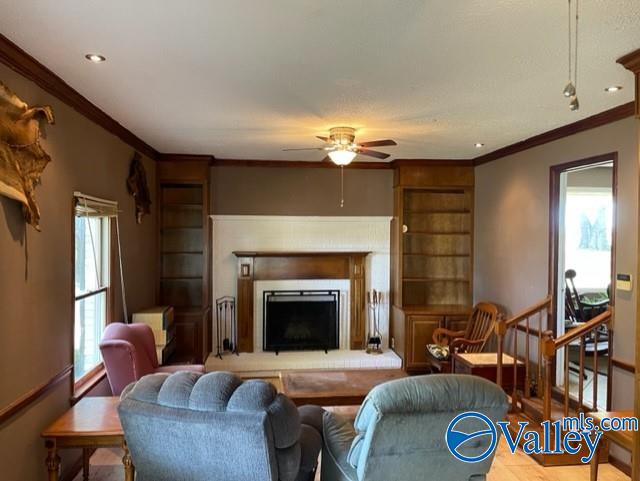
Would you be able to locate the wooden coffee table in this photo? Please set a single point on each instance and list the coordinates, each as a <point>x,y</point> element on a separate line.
<point>334,387</point>
<point>92,423</point>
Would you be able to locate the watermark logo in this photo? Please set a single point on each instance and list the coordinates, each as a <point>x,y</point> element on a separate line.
<point>473,431</point>
<point>457,438</point>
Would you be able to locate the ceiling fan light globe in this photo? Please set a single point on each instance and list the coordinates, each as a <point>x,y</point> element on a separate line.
<point>342,157</point>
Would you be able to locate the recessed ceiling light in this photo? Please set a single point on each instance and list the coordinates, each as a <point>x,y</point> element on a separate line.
<point>479,145</point>
<point>613,88</point>
<point>95,58</point>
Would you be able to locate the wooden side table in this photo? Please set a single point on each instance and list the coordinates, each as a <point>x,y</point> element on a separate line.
<point>485,364</point>
<point>92,423</point>
<point>623,439</point>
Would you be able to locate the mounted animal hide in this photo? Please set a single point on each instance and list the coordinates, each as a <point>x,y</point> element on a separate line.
<point>22,159</point>
<point>138,188</point>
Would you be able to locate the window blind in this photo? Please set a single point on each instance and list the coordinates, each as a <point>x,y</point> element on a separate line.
<point>89,206</point>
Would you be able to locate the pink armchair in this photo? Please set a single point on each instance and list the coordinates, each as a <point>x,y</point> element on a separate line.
<point>129,353</point>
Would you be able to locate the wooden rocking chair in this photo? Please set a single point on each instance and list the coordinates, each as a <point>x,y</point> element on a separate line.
<point>472,339</point>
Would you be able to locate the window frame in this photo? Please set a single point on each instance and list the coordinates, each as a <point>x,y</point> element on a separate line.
<point>84,384</point>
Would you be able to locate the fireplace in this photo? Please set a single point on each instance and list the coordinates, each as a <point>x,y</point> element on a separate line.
<point>301,320</point>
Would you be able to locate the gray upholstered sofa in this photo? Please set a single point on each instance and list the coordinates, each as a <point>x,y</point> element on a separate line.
<point>215,427</point>
<point>399,432</point>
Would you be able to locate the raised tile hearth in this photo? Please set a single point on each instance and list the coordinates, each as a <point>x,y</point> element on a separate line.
<point>267,363</point>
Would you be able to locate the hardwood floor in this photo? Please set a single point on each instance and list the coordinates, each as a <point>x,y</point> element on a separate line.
<point>106,466</point>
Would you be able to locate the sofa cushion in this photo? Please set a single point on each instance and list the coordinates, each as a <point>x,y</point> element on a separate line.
<point>338,434</point>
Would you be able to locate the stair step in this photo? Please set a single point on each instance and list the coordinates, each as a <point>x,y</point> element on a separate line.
<point>533,407</point>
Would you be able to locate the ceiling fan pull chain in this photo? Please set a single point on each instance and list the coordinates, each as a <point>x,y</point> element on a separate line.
<point>341,186</point>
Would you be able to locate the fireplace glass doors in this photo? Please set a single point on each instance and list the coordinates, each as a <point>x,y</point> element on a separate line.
<point>301,320</point>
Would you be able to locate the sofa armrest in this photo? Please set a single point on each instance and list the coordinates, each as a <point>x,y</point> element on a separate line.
<point>119,362</point>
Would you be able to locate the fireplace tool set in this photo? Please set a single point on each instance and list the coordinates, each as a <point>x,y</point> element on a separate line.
<point>374,300</point>
<point>226,326</point>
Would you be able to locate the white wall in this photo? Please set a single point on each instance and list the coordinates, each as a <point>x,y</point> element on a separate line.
<point>512,229</point>
<point>305,234</point>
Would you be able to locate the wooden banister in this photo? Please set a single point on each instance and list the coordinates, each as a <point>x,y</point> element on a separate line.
<point>501,328</point>
<point>582,329</point>
<point>550,348</point>
<point>528,312</point>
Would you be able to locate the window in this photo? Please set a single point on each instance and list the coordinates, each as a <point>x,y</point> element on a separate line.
<point>588,236</point>
<point>92,284</point>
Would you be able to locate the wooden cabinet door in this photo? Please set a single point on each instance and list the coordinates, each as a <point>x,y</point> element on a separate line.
<point>421,333</point>
<point>457,323</point>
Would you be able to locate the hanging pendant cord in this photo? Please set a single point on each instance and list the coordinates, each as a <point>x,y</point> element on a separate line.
<point>569,29</point>
<point>122,289</point>
<point>341,186</point>
<point>575,68</point>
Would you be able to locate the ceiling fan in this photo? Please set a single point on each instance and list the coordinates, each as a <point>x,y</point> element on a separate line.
<point>341,147</point>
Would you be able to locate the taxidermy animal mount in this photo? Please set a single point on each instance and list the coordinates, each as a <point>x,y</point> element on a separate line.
<point>22,158</point>
<point>138,188</point>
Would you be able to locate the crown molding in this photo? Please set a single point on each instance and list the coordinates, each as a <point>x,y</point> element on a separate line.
<point>20,61</point>
<point>432,162</point>
<point>631,61</point>
<point>210,159</point>
<point>612,115</point>
<point>298,164</point>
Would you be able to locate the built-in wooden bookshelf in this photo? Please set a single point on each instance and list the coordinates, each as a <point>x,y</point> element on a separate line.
<point>183,238</point>
<point>431,255</point>
<point>436,251</point>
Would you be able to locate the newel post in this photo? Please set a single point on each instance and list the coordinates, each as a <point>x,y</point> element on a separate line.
<point>500,330</point>
<point>548,353</point>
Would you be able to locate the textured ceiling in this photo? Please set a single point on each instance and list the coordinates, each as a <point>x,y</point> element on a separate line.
<point>246,78</point>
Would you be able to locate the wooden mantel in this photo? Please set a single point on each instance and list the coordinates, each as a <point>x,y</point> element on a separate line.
<point>274,265</point>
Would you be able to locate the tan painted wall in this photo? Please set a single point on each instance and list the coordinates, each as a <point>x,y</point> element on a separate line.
<point>301,191</point>
<point>37,313</point>
<point>512,229</point>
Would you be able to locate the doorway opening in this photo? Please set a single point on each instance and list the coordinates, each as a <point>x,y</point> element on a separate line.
<point>582,267</point>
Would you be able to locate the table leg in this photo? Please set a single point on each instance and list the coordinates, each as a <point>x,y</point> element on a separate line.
<point>129,470</point>
<point>53,460</point>
<point>86,456</point>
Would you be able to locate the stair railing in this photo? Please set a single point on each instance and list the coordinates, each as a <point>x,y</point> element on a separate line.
<point>537,315</point>
<point>588,331</point>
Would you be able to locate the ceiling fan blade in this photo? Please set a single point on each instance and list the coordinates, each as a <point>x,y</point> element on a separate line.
<point>324,139</point>
<point>309,148</point>
<point>378,143</point>
<point>373,153</point>
<point>327,159</point>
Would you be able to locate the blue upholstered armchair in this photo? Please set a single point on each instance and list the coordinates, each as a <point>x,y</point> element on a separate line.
<point>399,432</point>
<point>215,427</point>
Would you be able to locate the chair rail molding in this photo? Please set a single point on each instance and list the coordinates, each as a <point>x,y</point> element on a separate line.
<point>34,394</point>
